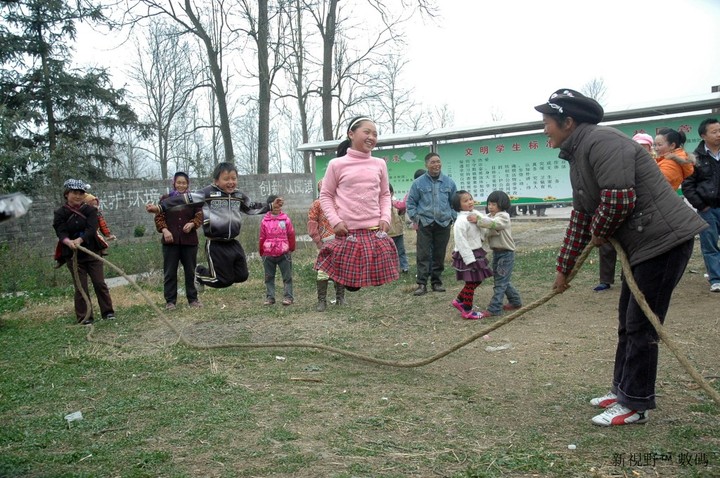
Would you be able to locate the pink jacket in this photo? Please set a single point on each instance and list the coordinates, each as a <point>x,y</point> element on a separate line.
<point>277,235</point>
<point>356,190</point>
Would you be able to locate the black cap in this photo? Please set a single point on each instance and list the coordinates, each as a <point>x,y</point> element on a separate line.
<point>574,104</point>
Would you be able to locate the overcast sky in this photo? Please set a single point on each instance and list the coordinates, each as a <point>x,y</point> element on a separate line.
<point>506,56</point>
<point>510,55</point>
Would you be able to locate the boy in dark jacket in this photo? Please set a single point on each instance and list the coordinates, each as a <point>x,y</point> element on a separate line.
<point>222,205</point>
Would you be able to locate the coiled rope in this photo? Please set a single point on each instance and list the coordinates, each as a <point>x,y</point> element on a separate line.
<point>181,338</point>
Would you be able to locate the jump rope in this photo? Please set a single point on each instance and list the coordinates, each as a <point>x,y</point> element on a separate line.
<point>181,338</point>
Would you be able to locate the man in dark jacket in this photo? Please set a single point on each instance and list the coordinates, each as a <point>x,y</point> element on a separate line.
<point>620,193</point>
<point>702,190</point>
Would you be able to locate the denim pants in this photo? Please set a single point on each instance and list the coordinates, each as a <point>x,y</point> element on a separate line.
<point>432,243</point>
<point>270,265</point>
<point>636,357</point>
<point>402,255</point>
<point>502,266</point>
<point>709,244</point>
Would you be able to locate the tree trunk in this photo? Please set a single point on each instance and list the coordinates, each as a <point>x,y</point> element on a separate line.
<point>327,70</point>
<point>218,85</point>
<point>263,160</point>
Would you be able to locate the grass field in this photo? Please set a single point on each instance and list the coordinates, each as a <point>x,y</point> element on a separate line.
<point>154,408</point>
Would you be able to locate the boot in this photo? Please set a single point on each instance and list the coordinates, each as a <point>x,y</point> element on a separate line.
<point>322,286</point>
<point>339,294</point>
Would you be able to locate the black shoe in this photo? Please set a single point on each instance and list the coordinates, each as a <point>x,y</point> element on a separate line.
<point>438,288</point>
<point>88,321</point>
<point>421,290</point>
<point>110,316</point>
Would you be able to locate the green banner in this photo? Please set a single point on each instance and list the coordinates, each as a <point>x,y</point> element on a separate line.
<point>524,165</point>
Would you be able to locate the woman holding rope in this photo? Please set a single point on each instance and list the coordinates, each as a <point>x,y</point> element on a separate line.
<point>619,193</point>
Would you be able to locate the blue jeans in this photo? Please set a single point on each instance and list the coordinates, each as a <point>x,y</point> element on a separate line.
<point>636,357</point>
<point>270,265</point>
<point>502,266</point>
<point>709,244</point>
<point>402,255</point>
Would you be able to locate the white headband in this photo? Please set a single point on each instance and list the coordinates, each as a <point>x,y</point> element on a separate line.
<point>358,121</point>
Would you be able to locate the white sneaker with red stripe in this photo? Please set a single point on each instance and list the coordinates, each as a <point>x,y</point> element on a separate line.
<point>607,400</point>
<point>619,415</point>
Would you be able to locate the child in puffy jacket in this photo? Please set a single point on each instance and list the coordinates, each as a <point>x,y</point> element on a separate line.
<point>277,242</point>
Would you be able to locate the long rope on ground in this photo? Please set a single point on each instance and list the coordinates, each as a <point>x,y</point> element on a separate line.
<point>181,338</point>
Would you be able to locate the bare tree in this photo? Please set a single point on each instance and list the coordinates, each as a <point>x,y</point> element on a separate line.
<point>328,20</point>
<point>133,161</point>
<point>595,89</point>
<point>496,114</point>
<point>394,101</point>
<point>442,116</point>
<point>166,73</point>
<point>268,47</point>
<point>213,34</point>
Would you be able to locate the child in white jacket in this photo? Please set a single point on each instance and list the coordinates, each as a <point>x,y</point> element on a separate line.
<point>499,239</point>
<point>469,257</point>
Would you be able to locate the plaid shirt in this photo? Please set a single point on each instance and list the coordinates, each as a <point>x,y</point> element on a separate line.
<point>615,206</point>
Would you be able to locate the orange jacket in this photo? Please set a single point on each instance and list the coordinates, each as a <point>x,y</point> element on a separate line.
<point>676,166</point>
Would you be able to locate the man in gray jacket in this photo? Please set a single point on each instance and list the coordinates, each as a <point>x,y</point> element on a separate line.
<point>620,193</point>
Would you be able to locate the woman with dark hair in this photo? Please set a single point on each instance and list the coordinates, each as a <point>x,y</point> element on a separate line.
<point>355,197</point>
<point>178,227</point>
<point>672,159</point>
<point>619,193</point>
<point>76,224</point>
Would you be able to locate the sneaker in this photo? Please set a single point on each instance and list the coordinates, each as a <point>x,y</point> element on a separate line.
<point>269,301</point>
<point>511,307</point>
<point>169,306</point>
<point>601,287</point>
<point>88,321</point>
<point>458,305</point>
<point>438,288</point>
<point>607,400</point>
<point>715,287</point>
<point>196,304</point>
<point>486,313</point>
<point>287,301</point>
<point>619,415</point>
<point>470,315</point>
<point>110,316</point>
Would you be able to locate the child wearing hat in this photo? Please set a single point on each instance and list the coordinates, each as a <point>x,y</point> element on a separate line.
<point>76,224</point>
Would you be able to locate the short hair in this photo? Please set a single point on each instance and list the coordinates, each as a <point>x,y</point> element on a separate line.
<point>501,199</point>
<point>419,173</point>
<point>429,156</point>
<point>271,198</point>
<point>702,129</point>
<point>392,191</point>
<point>457,197</point>
<point>224,167</point>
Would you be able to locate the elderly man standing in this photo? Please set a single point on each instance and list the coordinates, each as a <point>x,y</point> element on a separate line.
<point>428,206</point>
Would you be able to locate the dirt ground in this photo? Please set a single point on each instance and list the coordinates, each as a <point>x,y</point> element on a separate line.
<point>533,375</point>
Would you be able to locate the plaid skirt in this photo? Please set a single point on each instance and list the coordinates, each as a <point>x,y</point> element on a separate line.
<point>361,259</point>
<point>478,271</point>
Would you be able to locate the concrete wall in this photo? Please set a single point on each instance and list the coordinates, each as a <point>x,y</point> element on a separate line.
<point>123,204</point>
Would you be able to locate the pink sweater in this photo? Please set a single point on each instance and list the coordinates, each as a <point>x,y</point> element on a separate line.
<point>356,190</point>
